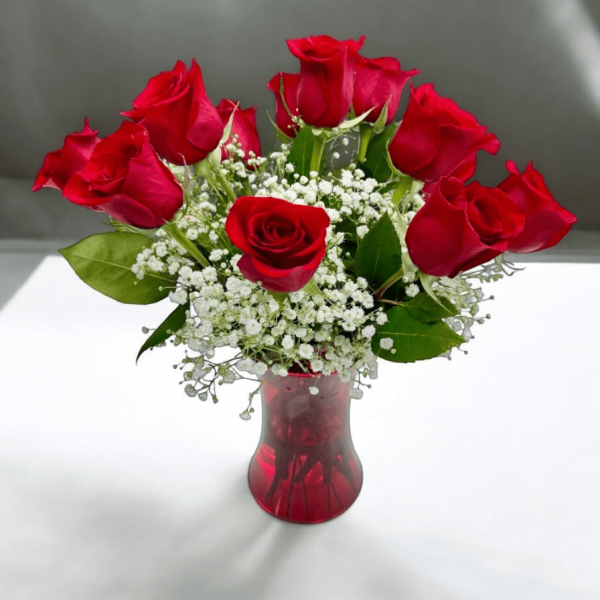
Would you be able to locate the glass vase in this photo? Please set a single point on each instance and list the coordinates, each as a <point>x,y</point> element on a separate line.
<point>305,469</point>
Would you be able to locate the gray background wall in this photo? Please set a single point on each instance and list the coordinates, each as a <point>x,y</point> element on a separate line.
<point>529,69</point>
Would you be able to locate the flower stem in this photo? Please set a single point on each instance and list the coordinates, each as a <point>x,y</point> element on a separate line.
<point>317,153</point>
<point>388,283</point>
<point>366,132</point>
<point>183,241</point>
<point>225,185</point>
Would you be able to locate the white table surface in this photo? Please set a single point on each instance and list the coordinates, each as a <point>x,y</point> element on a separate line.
<point>482,474</point>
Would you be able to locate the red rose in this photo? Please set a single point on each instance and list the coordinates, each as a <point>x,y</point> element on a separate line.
<point>184,126</point>
<point>326,77</point>
<point>546,222</point>
<point>283,243</point>
<point>464,172</point>
<point>436,136</point>
<point>244,126</point>
<point>59,166</point>
<point>126,179</point>
<point>290,92</point>
<point>377,81</point>
<point>461,227</point>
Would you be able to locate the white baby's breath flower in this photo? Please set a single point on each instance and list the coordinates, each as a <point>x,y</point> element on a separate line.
<point>179,297</point>
<point>368,332</point>
<point>279,370</point>
<point>386,343</point>
<point>253,327</point>
<point>361,231</point>
<point>260,368</point>
<point>317,365</point>
<point>412,290</point>
<point>381,318</point>
<point>305,350</point>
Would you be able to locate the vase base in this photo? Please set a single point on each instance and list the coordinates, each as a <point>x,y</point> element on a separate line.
<point>305,521</point>
<point>304,496</point>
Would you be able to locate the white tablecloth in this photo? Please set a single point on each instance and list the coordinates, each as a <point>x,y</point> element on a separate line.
<point>482,474</point>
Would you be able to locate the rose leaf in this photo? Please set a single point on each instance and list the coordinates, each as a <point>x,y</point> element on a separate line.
<point>379,254</point>
<point>104,262</point>
<point>426,309</point>
<point>171,325</point>
<point>412,339</point>
<point>376,159</point>
<point>301,151</point>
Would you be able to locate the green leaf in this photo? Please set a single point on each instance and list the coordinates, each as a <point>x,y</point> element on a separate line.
<point>301,151</point>
<point>286,139</point>
<point>426,309</point>
<point>171,325</point>
<point>354,122</point>
<point>379,255</point>
<point>104,262</point>
<point>207,166</point>
<point>312,288</point>
<point>376,160</point>
<point>229,126</point>
<point>427,282</point>
<point>413,340</point>
<point>279,297</point>
<point>407,188</point>
<point>348,227</point>
<point>379,125</point>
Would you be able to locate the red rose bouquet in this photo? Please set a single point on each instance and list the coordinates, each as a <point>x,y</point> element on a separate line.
<point>354,236</point>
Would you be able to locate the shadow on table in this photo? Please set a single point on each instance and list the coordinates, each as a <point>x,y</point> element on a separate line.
<point>63,540</point>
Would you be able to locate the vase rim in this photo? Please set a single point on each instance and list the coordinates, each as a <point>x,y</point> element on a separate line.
<point>310,374</point>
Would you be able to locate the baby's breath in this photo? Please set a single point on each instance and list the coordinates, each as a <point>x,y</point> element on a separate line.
<point>325,330</point>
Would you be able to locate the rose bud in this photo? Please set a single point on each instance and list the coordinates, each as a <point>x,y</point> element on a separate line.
<point>290,91</point>
<point>464,172</point>
<point>546,221</point>
<point>326,78</point>
<point>126,179</point>
<point>461,227</point>
<point>243,125</point>
<point>377,81</point>
<point>184,126</point>
<point>282,243</point>
<point>59,166</point>
<point>436,136</point>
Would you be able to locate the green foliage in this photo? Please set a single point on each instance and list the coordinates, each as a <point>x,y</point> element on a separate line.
<point>376,161</point>
<point>379,254</point>
<point>407,187</point>
<point>427,282</point>
<point>379,125</point>
<point>312,288</point>
<point>413,340</point>
<point>301,151</point>
<point>286,139</point>
<point>172,324</point>
<point>104,261</point>
<point>426,309</point>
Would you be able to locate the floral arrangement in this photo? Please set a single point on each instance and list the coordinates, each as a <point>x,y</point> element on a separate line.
<point>357,237</point>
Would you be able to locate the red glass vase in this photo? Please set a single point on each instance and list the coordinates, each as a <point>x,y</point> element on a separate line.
<point>305,469</point>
